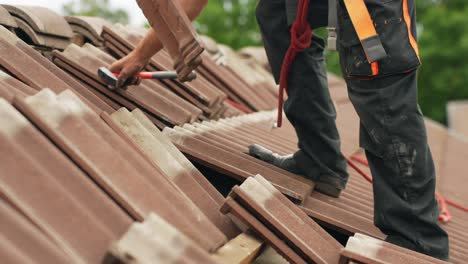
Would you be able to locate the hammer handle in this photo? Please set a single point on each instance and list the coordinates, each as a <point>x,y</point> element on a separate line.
<point>154,75</point>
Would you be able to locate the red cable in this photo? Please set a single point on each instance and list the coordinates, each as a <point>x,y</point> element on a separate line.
<point>301,38</point>
<point>456,205</point>
<point>358,170</point>
<point>238,106</point>
<point>361,160</point>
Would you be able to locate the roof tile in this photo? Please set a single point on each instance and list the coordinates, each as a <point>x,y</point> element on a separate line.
<point>67,122</point>
<point>22,242</point>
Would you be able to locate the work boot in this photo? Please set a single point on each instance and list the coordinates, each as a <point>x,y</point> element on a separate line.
<point>287,162</point>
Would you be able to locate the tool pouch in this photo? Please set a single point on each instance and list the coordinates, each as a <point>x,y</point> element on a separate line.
<point>392,29</point>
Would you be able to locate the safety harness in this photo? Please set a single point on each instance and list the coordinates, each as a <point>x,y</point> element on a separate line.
<point>301,37</point>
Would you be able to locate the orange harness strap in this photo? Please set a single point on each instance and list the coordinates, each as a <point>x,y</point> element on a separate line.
<point>365,30</point>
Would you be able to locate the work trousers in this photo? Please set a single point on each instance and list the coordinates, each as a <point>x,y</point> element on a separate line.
<point>392,129</point>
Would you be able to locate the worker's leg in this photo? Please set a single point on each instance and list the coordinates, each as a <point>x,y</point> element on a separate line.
<point>392,129</point>
<point>308,107</point>
<point>394,136</point>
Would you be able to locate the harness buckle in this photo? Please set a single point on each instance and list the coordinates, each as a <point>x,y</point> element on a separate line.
<point>331,38</point>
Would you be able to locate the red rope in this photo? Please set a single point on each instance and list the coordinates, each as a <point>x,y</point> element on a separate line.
<point>358,170</point>
<point>444,215</point>
<point>301,38</point>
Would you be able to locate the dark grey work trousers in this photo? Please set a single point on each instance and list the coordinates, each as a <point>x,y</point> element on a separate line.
<point>392,130</point>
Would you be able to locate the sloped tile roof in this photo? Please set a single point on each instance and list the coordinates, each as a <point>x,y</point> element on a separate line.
<point>23,242</point>
<point>111,167</point>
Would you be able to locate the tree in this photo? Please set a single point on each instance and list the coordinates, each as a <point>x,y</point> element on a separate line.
<point>443,47</point>
<point>97,8</point>
<point>230,22</point>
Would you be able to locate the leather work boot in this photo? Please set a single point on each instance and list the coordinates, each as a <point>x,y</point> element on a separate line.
<point>287,162</point>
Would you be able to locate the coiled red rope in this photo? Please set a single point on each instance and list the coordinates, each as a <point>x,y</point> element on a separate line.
<point>444,214</point>
<point>301,38</point>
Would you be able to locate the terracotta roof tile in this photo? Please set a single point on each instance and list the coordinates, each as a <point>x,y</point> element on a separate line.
<point>234,208</point>
<point>14,85</point>
<point>90,28</point>
<point>243,71</point>
<point>231,84</point>
<point>6,19</point>
<point>257,54</point>
<point>156,241</point>
<point>366,249</point>
<point>22,242</point>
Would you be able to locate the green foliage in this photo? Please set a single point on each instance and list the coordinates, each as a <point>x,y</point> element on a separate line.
<point>230,22</point>
<point>443,45</point>
<point>97,8</point>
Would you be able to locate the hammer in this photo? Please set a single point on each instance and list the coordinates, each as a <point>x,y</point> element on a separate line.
<point>112,78</point>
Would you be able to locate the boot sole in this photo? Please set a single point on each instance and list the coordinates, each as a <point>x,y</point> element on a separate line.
<point>327,189</point>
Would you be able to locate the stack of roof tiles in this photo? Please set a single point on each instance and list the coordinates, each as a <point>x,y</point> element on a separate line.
<point>154,241</point>
<point>88,175</point>
<point>87,29</point>
<point>364,249</point>
<point>289,230</point>
<point>40,26</point>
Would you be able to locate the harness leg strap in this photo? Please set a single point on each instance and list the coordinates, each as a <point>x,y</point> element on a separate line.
<point>365,30</point>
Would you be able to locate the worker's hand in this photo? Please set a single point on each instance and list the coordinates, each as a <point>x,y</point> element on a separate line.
<point>128,66</point>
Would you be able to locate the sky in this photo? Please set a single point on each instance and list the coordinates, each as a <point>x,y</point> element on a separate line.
<point>136,16</point>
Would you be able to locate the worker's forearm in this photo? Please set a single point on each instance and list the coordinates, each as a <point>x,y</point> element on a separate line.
<point>151,43</point>
<point>148,46</point>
